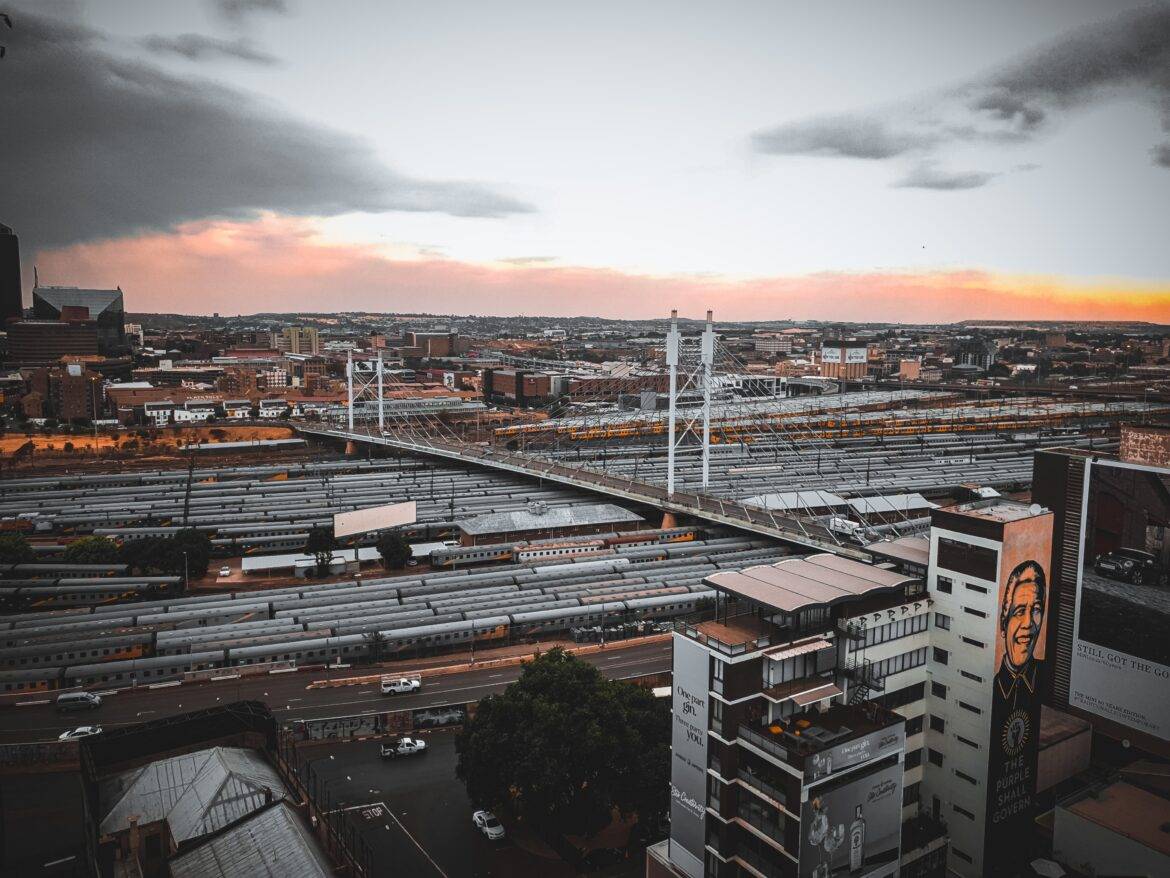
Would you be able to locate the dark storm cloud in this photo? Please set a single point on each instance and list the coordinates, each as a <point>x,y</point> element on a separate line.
<point>197,47</point>
<point>1013,104</point>
<point>925,175</point>
<point>236,10</point>
<point>107,147</point>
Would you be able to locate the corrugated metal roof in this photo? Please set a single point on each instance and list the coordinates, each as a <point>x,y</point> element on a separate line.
<point>273,843</point>
<point>890,503</point>
<point>795,584</point>
<point>196,793</point>
<point>796,500</point>
<point>547,519</point>
<point>916,550</point>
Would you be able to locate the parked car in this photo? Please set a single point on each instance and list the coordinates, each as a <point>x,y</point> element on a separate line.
<point>225,571</point>
<point>487,823</point>
<point>80,732</point>
<point>400,685</point>
<point>404,747</point>
<point>1131,565</point>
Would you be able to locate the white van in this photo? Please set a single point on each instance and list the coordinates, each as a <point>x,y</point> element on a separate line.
<point>70,701</point>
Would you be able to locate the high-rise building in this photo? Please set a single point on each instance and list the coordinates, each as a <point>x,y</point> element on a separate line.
<point>988,578</point>
<point>104,307</point>
<point>11,297</point>
<point>1110,571</point>
<point>299,340</point>
<point>795,714</point>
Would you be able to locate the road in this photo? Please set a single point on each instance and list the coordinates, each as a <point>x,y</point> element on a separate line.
<point>33,718</point>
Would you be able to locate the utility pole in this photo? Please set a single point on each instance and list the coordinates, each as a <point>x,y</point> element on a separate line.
<point>672,351</point>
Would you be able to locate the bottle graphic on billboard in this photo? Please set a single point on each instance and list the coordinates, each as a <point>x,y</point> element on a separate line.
<point>857,842</point>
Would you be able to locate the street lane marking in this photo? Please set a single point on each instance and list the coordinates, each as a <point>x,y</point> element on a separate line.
<point>31,703</point>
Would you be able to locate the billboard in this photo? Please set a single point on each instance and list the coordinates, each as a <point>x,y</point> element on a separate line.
<point>880,743</point>
<point>688,753</point>
<point>360,521</point>
<point>1121,654</point>
<point>853,826</point>
<point>1021,624</point>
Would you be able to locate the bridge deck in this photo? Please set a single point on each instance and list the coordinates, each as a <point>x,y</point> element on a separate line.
<point>790,529</point>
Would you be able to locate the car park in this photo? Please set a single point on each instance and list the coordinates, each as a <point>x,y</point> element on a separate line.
<point>79,733</point>
<point>486,822</point>
<point>400,685</point>
<point>404,747</point>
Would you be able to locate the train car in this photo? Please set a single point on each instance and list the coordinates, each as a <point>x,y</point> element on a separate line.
<point>62,654</point>
<point>31,679</point>
<point>140,671</point>
<point>531,624</point>
<point>464,555</point>
<point>444,635</point>
<point>303,652</point>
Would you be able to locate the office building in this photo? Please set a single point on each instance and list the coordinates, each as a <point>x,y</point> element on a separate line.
<point>104,307</point>
<point>11,296</point>
<point>42,342</point>
<point>988,574</point>
<point>798,725</point>
<point>299,340</point>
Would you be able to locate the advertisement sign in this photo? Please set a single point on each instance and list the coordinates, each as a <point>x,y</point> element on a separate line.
<point>830,355</point>
<point>1121,654</point>
<point>856,355</point>
<point>880,743</point>
<point>853,826</point>
<point>1022,621</point>
<point>688,749</point>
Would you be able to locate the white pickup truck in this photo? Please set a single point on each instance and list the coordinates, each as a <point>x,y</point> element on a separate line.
<point>400,685</point>
<point>404,747</point>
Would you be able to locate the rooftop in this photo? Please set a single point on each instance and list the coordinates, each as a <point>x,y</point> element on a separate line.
<point>796,500</point>
<point>915,550</point>
<point>1128,811</point>
<point>272,843</point>
<point>196,793</point>
<point>548,519</point>
<point>795,584</point>
<point>999,509</point>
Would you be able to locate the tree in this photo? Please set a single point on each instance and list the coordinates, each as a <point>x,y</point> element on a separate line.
<point>320,545</point>
<point>92,550</point>
<point>14,549</point>
<point>395,550</point>
<point>195,545</point>
<point>563,749</point>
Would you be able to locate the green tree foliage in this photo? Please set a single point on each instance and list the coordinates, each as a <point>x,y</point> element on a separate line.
<point>563,748</point>
<point>165,554</point>
<point>14,549</point>
<point>394,550</point>
<point>92,550</point>
<point>320,545</point>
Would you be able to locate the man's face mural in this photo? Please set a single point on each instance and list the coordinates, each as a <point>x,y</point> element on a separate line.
<point>1022,613</point>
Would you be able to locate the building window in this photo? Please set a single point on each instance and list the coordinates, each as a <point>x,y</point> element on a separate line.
<point>913,726</point>
<point>971,641</point>
<point>964,776</point>
<point>970,707</point>
<point>971,676</point>
<point>943,621</point>
<point>938,690</point>
<point>972,611</point>
<point>937,723</point>
<point>913,759</point>
<point>966,858</point>
<point>977,561</point>
<point>941,656</point>
<point>910,794</point>
<point>901,697</point>
<point>958,809</point>
<point>977,588</point>
<point>717,716</point>
<point>944,584</point>
<point>934,756</point>
<point>717,677</point>
<point>966,741</point>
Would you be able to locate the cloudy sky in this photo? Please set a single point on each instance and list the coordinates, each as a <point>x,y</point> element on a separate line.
<point>912,160</point>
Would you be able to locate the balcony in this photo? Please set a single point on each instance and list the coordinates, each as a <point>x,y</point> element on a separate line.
<point>736,636</point>
<point>799,736</point>
<point>755,781</point>
<point>805,690</point>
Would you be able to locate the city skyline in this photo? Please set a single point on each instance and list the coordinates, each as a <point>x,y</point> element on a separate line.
<point>770,164</point>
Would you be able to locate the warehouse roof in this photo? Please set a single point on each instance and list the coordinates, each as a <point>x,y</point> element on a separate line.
<point>890,503</point>
<point>794,584</point>
<point>796,500</point>
<point>915,550</point>
<point>548,518</point>
<point>196,793</point>
<point>272,843</point>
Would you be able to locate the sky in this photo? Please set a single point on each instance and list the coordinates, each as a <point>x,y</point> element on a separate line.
<point>913,160</point>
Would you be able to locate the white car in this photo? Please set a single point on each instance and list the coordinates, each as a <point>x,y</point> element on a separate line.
<point>487,823</point>
<point>400,685</point>
<point>225,571</point>
<point>404,747</point>
<point>79,733</point>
